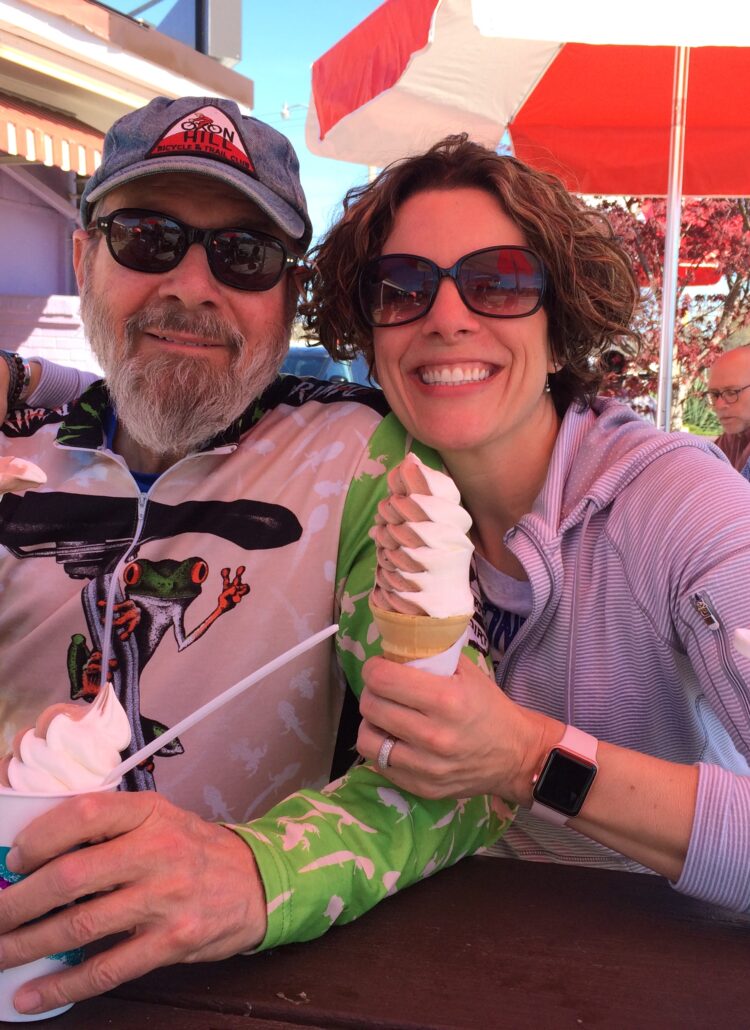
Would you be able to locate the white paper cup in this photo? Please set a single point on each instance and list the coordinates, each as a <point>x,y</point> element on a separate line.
<point>17,810</point>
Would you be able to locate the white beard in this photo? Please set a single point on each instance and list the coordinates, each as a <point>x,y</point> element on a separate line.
<point>171,404</point>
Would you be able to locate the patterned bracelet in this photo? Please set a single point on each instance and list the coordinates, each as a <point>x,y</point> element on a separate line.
<point>20,377</point>
<point>26,383</point>
<point>13,377</point>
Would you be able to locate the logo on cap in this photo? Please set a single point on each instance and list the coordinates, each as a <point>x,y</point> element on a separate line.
<point>207,132</point>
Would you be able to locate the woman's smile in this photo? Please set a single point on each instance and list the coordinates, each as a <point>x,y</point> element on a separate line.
<point>466,373</point>
<point>457,379</point>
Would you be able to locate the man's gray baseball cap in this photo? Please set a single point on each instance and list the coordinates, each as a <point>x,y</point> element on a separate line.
<point>208,136</point>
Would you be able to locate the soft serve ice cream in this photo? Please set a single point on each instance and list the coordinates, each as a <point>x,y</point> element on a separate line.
<point>422,601</point>
<point>76,750</point>
<point>19,474</point>
<point>423,550</point>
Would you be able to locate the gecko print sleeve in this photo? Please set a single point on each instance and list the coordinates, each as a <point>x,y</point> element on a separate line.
<point>323,864</point>
<point>327,857</point>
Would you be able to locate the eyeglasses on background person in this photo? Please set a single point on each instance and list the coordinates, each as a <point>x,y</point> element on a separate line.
<point>148,241</point>
<point>499,282</point>
<point>729,396</point>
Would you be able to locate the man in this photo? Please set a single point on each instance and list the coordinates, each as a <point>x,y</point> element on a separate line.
<point>729,393</point>
<point>220,514</point>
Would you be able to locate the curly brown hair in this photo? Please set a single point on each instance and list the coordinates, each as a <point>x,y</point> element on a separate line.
<point>591,292</point>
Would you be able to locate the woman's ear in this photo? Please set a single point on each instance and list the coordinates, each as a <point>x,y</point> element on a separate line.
<point>301,276</point>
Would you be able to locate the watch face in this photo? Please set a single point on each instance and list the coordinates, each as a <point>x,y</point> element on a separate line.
<point>564,782</point>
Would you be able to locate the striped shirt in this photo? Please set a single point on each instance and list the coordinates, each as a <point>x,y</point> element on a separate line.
<point>638,557</point>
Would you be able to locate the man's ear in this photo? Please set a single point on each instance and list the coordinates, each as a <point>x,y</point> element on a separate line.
<point>81,240</point>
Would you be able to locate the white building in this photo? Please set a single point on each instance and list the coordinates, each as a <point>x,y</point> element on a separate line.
<point>68,69</point>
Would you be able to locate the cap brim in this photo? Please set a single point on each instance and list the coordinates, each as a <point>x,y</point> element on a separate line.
<point>280,213</point>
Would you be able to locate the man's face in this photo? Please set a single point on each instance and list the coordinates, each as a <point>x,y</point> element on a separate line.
<point>732,371</point>
<point>183,353</point>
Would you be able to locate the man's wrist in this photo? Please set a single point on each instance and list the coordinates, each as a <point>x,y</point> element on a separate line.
<point>256,913</point>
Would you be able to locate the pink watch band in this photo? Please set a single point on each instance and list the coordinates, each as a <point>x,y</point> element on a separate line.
<point>578,743</point>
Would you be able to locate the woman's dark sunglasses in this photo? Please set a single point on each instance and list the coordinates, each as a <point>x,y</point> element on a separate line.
<point>500,282</point>
<point>148,241</point>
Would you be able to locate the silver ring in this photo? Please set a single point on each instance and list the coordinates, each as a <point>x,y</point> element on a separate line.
<point>385,753</point>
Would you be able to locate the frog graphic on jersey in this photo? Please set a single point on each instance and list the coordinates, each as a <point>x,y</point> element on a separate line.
<point>88,534</point>
<point>157,595</point>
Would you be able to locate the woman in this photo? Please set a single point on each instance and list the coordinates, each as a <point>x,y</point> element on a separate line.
<point>612,560</point>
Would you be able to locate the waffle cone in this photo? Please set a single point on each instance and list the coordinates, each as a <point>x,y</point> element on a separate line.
<point>406,637</point>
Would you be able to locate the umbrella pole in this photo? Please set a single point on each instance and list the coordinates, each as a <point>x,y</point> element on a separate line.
<point>672,237</point>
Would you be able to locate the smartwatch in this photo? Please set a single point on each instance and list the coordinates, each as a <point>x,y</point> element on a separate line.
<point>561,785</point>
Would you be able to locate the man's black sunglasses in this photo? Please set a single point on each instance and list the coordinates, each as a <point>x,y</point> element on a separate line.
<point>148,241</point>
<point>499,282</point>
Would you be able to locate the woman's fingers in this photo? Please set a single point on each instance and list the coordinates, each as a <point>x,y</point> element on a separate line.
<point>456,736</point>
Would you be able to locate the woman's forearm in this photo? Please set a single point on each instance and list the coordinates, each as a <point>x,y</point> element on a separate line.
<point>642,807</point>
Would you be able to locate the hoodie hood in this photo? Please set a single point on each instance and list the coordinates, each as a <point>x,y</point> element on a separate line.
<point>599,451</point>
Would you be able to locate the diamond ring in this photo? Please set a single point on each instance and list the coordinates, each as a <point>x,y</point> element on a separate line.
<point>384,754</point>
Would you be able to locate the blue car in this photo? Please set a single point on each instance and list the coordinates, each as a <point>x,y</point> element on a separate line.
<point>303,360</point>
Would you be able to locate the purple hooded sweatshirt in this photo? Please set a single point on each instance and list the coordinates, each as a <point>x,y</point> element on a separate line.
<point>638,554</point>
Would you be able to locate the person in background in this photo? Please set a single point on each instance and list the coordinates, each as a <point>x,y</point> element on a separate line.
<point>220,512</point>
<point>612,582</point>
<point>728,386</point>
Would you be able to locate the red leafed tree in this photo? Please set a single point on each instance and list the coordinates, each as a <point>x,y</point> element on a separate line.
<point>713,293</point>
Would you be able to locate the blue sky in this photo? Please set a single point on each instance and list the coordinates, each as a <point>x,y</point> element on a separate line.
<point>281,40</point>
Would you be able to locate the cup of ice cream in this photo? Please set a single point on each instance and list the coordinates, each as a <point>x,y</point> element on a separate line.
<point>70,751</point>
<point>17,809</point>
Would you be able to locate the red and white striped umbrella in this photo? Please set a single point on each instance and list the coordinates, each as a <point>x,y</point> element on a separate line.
<point>595,92</point>
<point>587,98</point>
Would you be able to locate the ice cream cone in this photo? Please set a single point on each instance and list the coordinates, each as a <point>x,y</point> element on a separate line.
<point>406,637</point>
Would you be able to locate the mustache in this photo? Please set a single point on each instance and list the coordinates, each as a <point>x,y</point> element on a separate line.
<point>165,318</point>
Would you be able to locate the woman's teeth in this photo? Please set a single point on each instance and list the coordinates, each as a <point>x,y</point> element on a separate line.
<point>453,376</point>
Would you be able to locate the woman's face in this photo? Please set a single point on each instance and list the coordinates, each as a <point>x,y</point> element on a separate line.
<point>497,367</point>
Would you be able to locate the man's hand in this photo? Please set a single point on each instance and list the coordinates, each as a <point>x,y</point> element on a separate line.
<point>183,890</point>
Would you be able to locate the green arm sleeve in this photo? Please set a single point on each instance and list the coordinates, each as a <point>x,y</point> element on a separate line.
<point>328,856</point>
<point>321,864</point>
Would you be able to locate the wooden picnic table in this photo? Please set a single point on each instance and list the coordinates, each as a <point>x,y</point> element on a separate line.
<point>490,943</point>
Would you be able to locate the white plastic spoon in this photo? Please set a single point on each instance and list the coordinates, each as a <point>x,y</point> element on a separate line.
<point>217,702</point>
